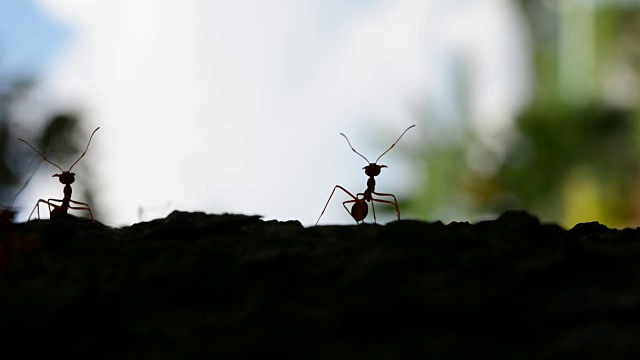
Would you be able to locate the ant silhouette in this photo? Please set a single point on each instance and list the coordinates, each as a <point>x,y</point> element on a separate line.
<point>67,178</point>
<point>360,209</point>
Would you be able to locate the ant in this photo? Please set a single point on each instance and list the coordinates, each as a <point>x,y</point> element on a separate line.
<point>67,178</point>
<point>360,209</point>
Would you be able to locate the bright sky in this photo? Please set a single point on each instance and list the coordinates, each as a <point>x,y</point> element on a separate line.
<point>28,37</point>
<point>237,106</point>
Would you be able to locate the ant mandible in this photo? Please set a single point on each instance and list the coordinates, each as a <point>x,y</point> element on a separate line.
<point>360,209</point>
<point>67,178</point>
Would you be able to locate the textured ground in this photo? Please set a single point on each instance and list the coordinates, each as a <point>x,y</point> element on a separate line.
<point>234,286</point>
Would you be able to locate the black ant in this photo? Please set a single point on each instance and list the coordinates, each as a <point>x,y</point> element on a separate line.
<point>67,178</point>
<point>360,209</point>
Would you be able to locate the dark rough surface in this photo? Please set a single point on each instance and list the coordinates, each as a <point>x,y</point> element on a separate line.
<point>232,286</point>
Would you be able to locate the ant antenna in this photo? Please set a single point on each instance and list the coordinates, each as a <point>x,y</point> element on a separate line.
<point>354,150</point>
<point>394,144</point>
<point>94,131</point>
<point>42,156</point>
<point>50,162</point>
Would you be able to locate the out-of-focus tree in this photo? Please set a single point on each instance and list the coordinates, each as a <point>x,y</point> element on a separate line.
<point>11,92</point>
<point>56,137</point>
<point>573,153</point>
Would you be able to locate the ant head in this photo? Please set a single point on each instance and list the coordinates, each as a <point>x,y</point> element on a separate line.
<point>66,177</point>
<point>373,169</point>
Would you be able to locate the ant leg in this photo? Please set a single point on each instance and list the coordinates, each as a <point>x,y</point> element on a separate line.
<point>49,206</point>
<point>38,207</point>
<point>344,204</point>
<point>325,205</point>
<point>55,207</point>
<point>34,209</point>
<point>387,202</point>
<point>394,202</point>
<point>84,207</point>
<point>373,209</point>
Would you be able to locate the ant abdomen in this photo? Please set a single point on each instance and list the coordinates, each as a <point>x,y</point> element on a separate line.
<point>359,210</point>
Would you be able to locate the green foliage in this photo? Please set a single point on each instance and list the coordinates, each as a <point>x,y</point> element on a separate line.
<point>575,156</point>
<point>592,141</point>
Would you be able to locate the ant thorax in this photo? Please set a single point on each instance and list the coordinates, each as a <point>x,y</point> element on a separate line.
<point>371,183</point>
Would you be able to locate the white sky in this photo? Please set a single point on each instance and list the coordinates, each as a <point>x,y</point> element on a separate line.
<point>237,106</point>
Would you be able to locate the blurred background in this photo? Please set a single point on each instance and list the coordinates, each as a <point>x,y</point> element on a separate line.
<point>237,106</point>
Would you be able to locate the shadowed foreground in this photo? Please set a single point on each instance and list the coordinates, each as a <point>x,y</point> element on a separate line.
<point>235,286</point>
